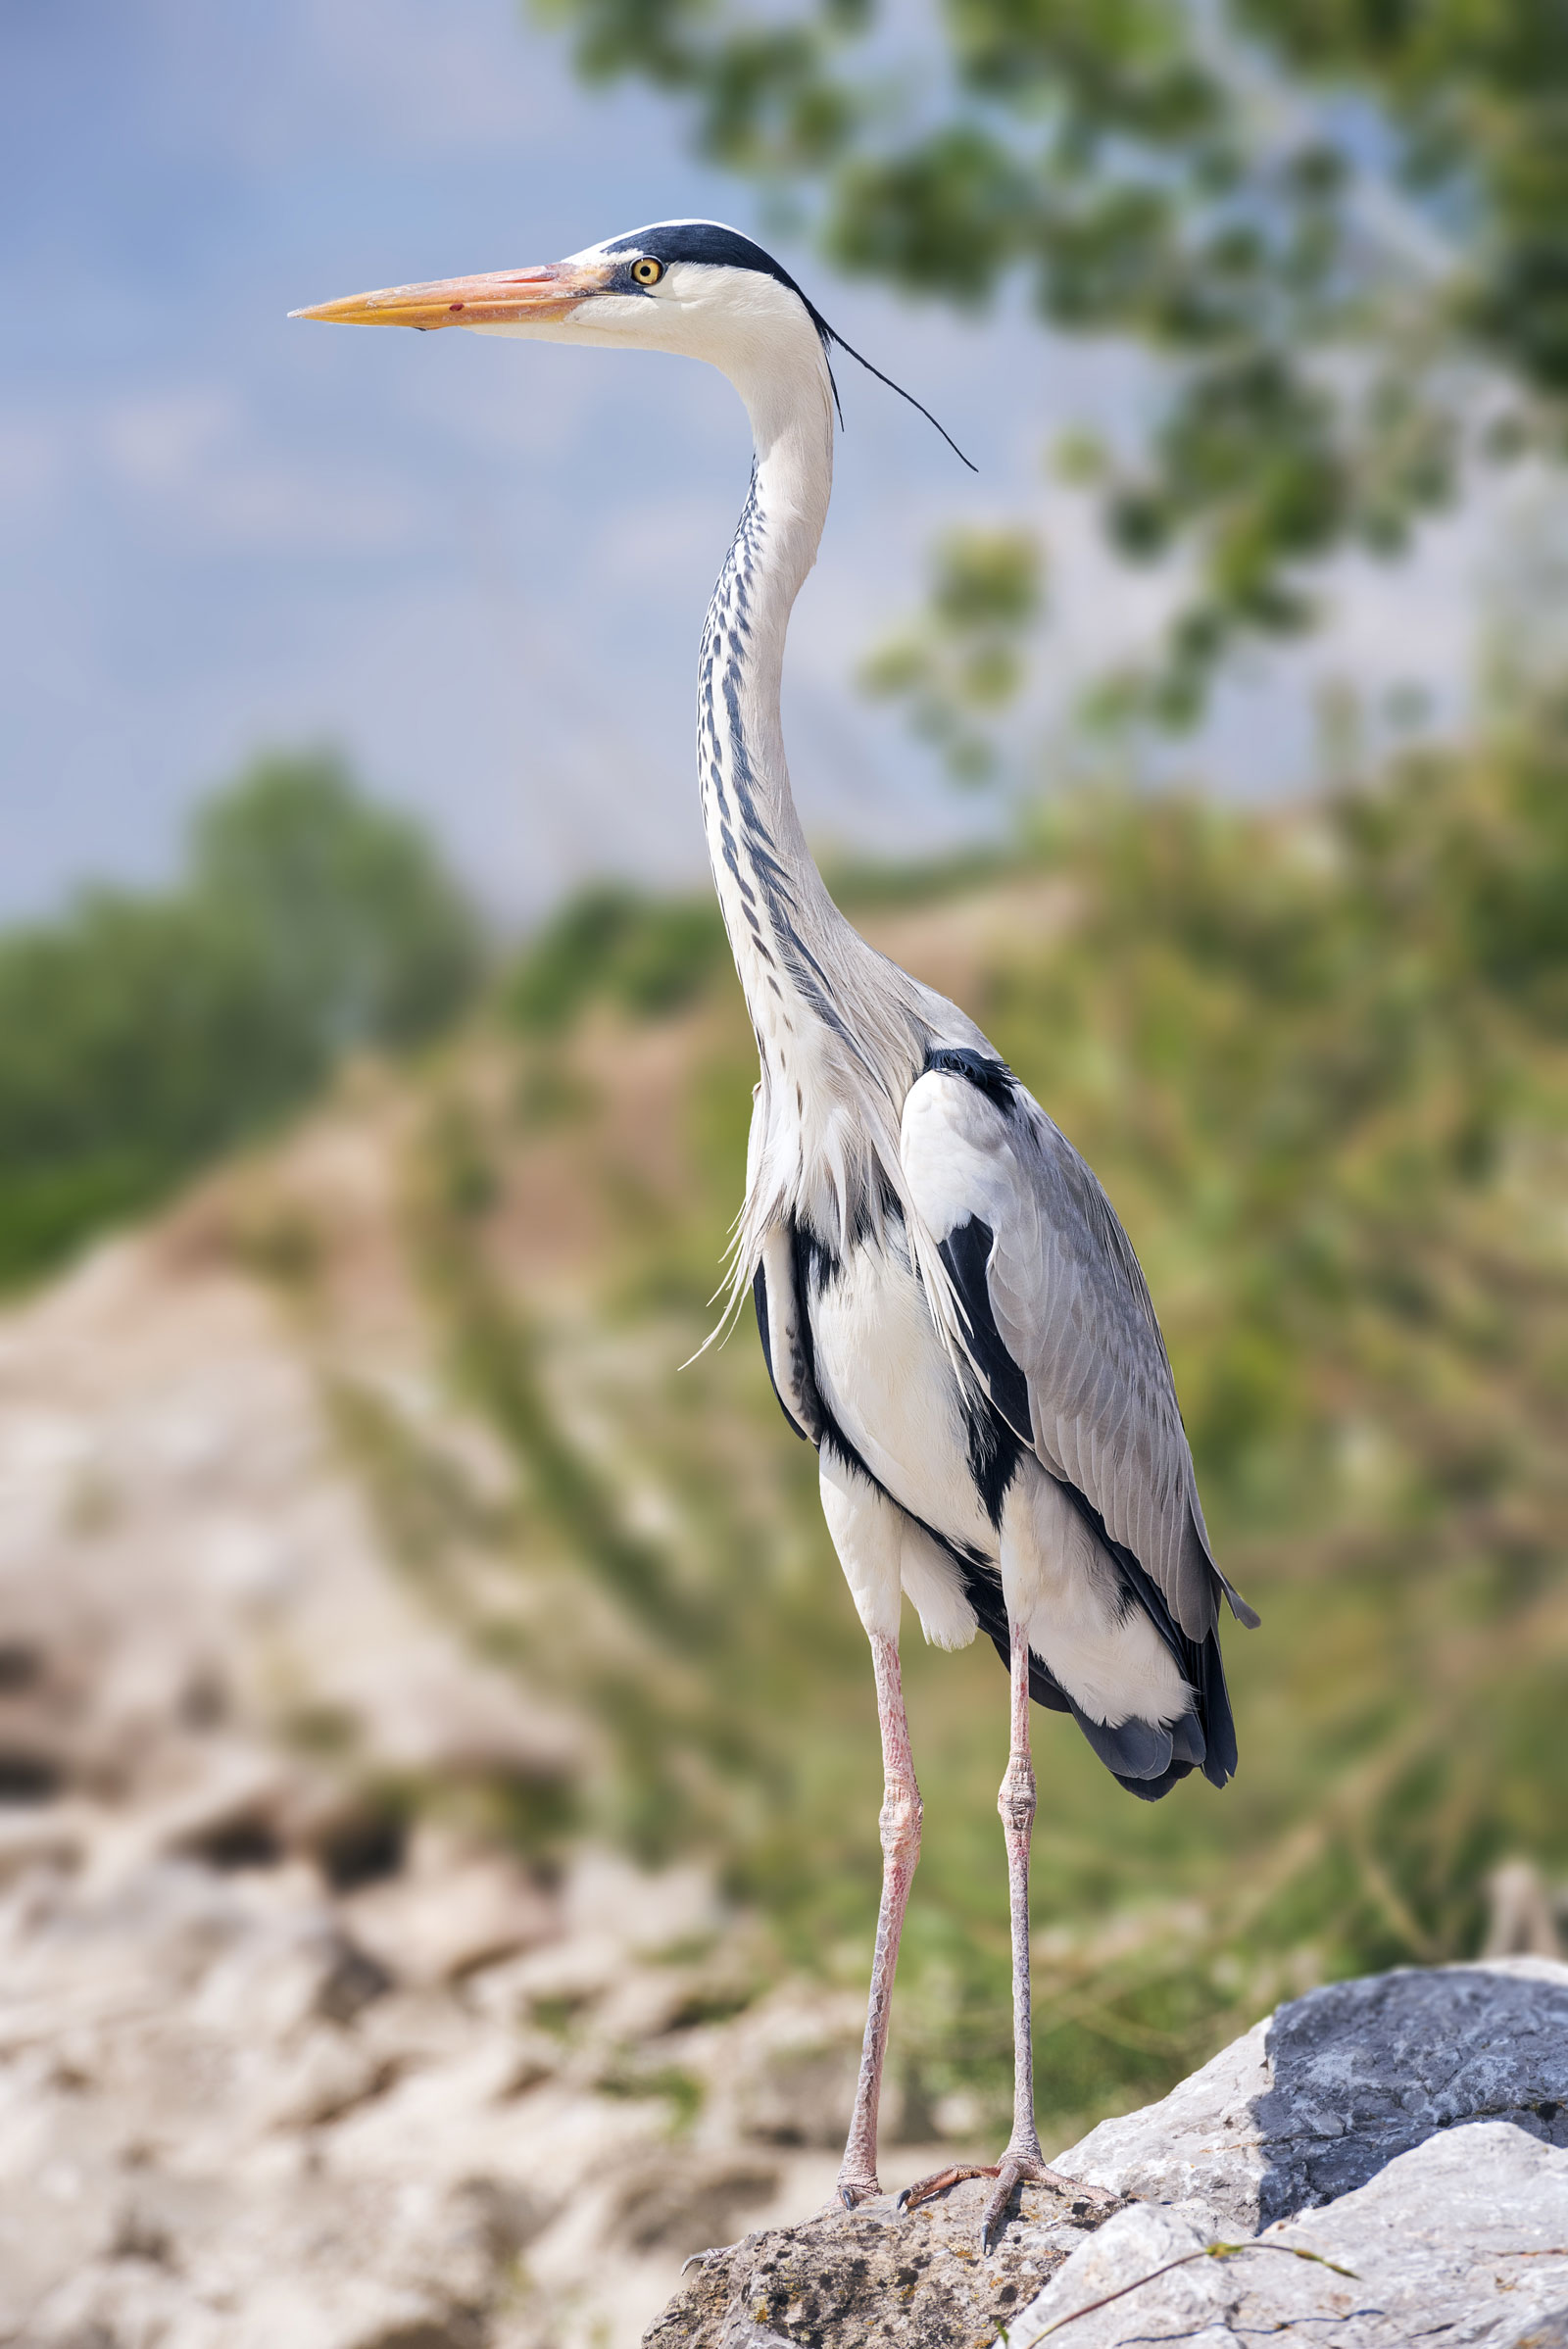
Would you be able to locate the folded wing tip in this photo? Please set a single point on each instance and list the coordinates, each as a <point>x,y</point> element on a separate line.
<point>1247,1617</point>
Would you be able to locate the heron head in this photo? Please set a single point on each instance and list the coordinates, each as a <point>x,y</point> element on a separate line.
<point>690,286</point>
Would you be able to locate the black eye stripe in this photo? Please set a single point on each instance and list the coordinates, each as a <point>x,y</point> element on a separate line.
<point>704,241</point>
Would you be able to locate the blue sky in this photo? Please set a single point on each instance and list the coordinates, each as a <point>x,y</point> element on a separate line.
<point>479,567</point>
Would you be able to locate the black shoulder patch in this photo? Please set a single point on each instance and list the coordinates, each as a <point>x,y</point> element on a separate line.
<point>967,1253</point>
<point>993,1078</point>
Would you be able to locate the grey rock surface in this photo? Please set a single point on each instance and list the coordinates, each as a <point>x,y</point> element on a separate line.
<point>1409,2129</point>
<point>1319,2097</point>
<point>1547,2331</point>
<point>846,2278</point>
<point>1464,2238</point>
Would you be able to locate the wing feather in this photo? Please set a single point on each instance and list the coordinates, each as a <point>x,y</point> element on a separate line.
<point>1056,1294</point>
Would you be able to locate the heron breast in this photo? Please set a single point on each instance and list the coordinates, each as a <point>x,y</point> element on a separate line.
<point>887,1382</point>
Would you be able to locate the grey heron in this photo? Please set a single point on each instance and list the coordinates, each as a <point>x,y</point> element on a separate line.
<point>950,1310</point>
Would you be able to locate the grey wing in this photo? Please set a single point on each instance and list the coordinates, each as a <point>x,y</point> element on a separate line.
<point>1058,1319</point>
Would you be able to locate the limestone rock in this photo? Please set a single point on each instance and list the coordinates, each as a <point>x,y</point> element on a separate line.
<point>847,2278</point>
<point>1466,2233</point>
<point>1550,2331</point>
<point>281,2059</point>
<point>224,2125</point>
<point>1314,2100</point>
<point>1411,2127</point>
<point>450,1910</point>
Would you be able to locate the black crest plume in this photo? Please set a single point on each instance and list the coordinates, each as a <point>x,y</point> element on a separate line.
<point>705,241</point>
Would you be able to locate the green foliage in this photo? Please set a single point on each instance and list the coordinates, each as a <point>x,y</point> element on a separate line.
<point>963,659</point>
<point>139,1036</point>
<point>647,956</point>
<point>340,910</point>
<point>1330,219</point>
<point>1321,1062</point>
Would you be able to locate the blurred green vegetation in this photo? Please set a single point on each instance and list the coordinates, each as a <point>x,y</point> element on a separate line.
<point>611,945</point>
<point>1339,228</point>
<point>965,657</point>
<point>1320,1057</point>
<point>140,1034</point>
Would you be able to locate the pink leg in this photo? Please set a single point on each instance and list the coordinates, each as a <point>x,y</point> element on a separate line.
<point>1022,2159</point>
<point>1015,1801</point>
<point>900,1849</point>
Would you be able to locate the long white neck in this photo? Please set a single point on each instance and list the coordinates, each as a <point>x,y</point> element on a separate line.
<point>776,906</point>
<point>841,1032</point>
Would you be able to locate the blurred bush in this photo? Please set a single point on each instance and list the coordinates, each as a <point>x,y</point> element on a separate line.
<point>611,946</point>
<point>963,658</point>
<point>139,1034</point>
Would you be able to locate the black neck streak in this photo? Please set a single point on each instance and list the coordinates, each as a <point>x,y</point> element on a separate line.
<point>734,793</point>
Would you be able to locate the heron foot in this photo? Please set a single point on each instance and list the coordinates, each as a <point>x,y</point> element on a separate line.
<point>1012,2170</point>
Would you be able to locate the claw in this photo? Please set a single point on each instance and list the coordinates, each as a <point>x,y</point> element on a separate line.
<point>852,2191</point>
<point>699,2258</point>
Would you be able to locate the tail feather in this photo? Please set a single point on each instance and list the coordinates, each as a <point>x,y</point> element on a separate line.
<point>1146,1758</point>
<point>1201,1661</point>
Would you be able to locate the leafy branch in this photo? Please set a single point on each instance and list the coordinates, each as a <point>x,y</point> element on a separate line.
<point>1341,229</point>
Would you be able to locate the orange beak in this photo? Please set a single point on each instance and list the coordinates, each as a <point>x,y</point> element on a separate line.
<point>503,297</point>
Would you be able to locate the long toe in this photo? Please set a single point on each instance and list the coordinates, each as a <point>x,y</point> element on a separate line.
<point>1009,2172</point>
<point>939,2182</point>
<point>1027,2169</point>
<point>1012,2170</point>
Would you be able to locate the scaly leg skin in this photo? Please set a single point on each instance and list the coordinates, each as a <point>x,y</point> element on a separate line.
<point>1023,2162</point>
<point>900,1826</point>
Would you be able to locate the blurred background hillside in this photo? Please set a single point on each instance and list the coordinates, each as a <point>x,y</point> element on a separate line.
<point>440,1705</point>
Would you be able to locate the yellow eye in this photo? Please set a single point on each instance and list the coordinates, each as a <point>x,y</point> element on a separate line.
<point>648,272</point>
